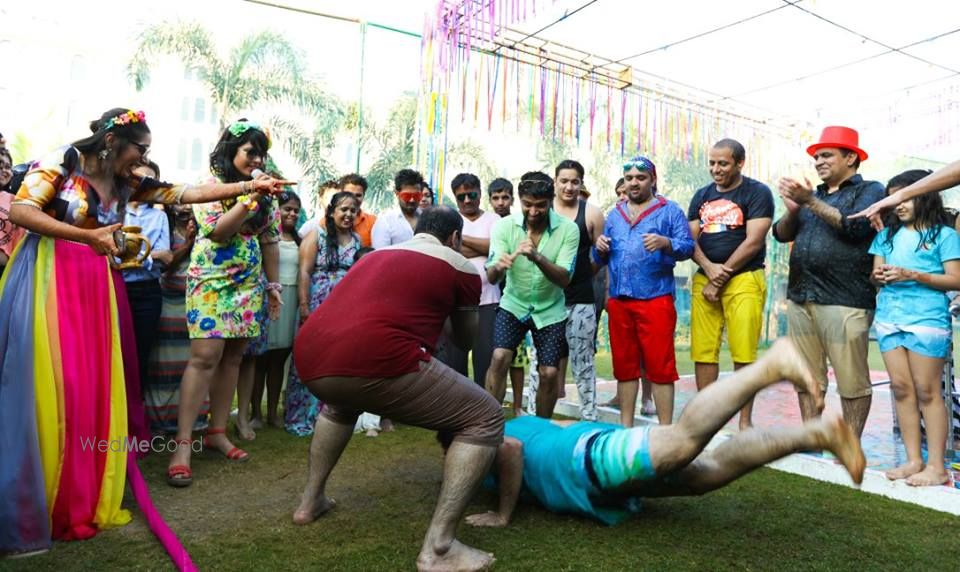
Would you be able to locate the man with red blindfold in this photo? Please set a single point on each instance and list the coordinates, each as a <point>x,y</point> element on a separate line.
<point>396,225</point>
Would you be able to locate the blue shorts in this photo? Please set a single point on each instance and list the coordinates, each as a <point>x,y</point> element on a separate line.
<point>924,340</point>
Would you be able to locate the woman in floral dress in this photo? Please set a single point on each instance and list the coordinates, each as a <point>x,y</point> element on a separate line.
<point>225,294</point>
<point>326,254</point>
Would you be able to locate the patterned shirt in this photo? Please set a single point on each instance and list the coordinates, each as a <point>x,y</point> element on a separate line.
<point>529,294</point>
<point>156,228</point>
<point>831,266</point>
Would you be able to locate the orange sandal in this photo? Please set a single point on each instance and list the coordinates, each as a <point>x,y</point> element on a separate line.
<point>235,454</point>
<point>180,475</point>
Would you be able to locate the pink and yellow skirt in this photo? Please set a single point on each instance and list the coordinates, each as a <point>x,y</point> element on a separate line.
<point>69,397</point>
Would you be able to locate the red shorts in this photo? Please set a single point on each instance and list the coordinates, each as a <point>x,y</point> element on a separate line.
<point>641,339</point>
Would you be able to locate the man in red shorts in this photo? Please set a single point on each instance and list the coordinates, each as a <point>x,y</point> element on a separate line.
<point>642,240</point>
<point>380,305</point>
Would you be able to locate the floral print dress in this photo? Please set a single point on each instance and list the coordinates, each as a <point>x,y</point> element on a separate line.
<point>224,291</point>
<point>300,406</point>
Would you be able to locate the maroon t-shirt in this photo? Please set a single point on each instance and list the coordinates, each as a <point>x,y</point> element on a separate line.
<point>384,317</point>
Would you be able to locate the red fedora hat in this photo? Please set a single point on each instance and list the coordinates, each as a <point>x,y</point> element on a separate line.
<point>841,137</point>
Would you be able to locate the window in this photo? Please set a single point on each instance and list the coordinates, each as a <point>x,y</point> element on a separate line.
<point>182,155</point>
<point>187,73</point>
<point>185,109</point>
<point>199,108</point>
<point>213,113</point>
<point>78,70</point>
<point>196,155</point>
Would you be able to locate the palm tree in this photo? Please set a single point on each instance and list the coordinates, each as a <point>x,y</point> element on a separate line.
<point>263,68</point>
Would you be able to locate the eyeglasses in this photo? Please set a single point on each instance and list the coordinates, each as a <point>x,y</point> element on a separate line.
<point>472,195</point>
<point>143,149</point>
<point>533,186</point>
<point>410,196</point>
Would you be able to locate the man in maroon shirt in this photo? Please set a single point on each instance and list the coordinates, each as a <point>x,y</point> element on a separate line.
<point>369,347</point>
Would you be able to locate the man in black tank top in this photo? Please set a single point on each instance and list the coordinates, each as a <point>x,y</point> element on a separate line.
<point>581,312</point>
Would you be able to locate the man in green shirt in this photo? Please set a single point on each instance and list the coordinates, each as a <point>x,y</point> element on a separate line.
<point>535,250</point>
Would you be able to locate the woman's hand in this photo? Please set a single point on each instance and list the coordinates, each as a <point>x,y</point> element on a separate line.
<point>304,311</point>
<point>274,301</point>
<point>266,185</point>
<point>101,240</point>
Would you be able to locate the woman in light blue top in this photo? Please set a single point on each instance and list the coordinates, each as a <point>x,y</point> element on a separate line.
<point>916,261</point>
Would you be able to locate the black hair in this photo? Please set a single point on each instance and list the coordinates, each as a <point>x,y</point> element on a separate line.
<point>569,164</point>
<point>332,244</point>
<point>929,216</point>
<point>352,179</point>
<point>499,185</point>
<point>127,133</point>
<point>153,167</point>
<point>847,152</point>
<point>736,149</point>
<point>467,180</point>
<point>537,185</point>
<point>408,178</point>
<point>360,253</point>
<point>439,222</point>
<point>619,184</point>
<point>221,158</point>
<point>286,197</point>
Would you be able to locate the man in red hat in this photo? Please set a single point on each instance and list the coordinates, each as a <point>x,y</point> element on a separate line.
<point>830,298</point>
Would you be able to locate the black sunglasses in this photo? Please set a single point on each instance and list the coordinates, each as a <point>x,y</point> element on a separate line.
<point>472,195</point>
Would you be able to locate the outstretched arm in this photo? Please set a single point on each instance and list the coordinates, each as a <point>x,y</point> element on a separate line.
<point>509,464</point>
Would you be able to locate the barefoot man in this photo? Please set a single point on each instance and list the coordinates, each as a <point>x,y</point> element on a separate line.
<point>379,304</point>
<point>600,471</point>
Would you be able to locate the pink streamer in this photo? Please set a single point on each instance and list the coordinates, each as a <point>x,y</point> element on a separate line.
<point>178,554</point>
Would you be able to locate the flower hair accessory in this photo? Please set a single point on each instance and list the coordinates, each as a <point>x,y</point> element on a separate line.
<point>125,118</point>
<point>238,128</point>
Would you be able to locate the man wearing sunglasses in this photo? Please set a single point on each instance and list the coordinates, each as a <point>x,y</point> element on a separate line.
<point>477,226</point>
<point>536,250</point>
<point>396,225</point>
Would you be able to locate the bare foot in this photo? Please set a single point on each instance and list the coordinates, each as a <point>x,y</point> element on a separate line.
<point>491,519</point>
<point>844,444</point>
<point>244,431</point>
<point>929,477</point>
<point>312,509</point>
<point>458,558</point>
<point>904,470</point>
<point>256,423</point>
<point>615,403</point>
<point>647,408</point>
<point>386,426</point>
<point>372,433</point>
<point>785,360</point>
<point>519,412</point>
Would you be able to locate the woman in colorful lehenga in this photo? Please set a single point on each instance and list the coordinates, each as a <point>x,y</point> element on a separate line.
<point>63,388</point>
<point>326,254</point>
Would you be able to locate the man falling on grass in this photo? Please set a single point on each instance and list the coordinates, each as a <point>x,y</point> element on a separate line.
<point>600,471</point>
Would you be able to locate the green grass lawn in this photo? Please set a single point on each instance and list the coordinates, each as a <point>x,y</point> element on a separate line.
<point>237,517</point>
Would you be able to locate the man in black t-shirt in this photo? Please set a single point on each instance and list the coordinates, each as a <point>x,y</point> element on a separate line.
<point>729,220</point>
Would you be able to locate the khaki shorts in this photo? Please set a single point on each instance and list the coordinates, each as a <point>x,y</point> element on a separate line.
<point>838,333</point>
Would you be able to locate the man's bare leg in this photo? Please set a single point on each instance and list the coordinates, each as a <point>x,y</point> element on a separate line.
<point>754,448</point>
<point>496,382</point>
<point>705,374</point>
<point>548,392</point>
<point>663,395</point>
<point>674,446</point>
<point>329,441</point>
<point>627,390</point>
<point>746,413</point>
<point>516,384</point>
<point>464,467</point>
<point>855,412</point>
<point>647,406</point>
<point>808,408</point>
